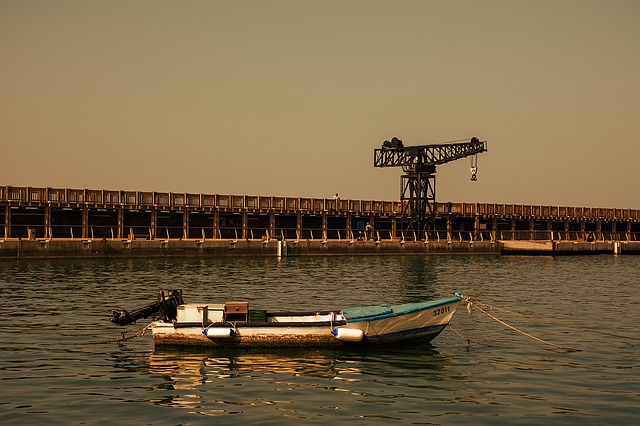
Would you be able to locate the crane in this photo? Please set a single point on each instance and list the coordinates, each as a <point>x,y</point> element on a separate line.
<point>418,184</point>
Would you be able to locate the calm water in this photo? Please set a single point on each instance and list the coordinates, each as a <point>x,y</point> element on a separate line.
<point>60,363</point>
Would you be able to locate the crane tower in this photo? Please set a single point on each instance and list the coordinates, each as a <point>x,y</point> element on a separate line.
<point>418,183</point>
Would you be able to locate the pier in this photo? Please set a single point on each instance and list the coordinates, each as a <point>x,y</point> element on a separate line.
<point>65,222</point>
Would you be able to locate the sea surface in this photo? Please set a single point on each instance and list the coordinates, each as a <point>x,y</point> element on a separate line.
<point>61,361</point>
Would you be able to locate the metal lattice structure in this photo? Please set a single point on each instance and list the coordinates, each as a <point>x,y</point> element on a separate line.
<point>418,184</point>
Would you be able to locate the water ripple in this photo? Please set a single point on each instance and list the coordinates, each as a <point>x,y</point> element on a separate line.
<point>60,360</point>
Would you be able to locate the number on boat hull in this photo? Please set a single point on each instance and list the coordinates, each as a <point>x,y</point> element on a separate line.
<point>441,311</point>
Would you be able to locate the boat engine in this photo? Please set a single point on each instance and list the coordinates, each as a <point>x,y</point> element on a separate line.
<point>167,306</point>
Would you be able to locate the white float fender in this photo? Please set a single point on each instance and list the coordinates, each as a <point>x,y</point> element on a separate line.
<point>348,334</point>
<point>219,332</point>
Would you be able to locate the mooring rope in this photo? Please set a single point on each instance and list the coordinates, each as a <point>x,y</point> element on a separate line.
<point>554,322</point>
<point>471,303</point>
<point>140,332</point>
<point>466,338</point>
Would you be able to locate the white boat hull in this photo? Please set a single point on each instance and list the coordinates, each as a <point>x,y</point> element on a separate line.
<point>367,325</point>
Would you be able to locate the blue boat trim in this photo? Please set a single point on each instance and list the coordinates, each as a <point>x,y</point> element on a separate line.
<point>373,313</point>
<point>367,311</point>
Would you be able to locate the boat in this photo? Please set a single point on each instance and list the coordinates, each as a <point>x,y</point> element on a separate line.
<point>237,324</point>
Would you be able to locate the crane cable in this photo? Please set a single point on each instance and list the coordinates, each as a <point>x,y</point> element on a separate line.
<point>456,141</point>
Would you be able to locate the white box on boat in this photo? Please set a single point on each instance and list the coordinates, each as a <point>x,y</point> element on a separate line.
<point>216,312</point>
<point>192,313</point>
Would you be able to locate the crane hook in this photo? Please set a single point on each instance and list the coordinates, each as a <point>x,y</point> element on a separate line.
<point>474,167</point>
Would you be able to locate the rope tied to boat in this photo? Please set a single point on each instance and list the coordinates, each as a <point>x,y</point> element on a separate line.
<point>139,333</point>
<point>546,321</point>
<point>477,305</point>
<point>469,341</point>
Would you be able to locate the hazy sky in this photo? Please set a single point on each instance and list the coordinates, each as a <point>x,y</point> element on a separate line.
<point>290,98</point>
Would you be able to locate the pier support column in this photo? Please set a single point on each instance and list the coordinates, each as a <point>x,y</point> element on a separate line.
<point>216,223</point>
<point>7,222</point>
<point>476,228</point>
<point>494,229</point>
<point>628,231</point>
<point>532,227</point>
<point>272,224</point>
<point>47,222</point>
<point>324,225</point>
<point>394,226</point>
<point>299,226</point>
<point>373,227</point>
<point>449,228</point>
<point>85,222</point>
<point>185,224</point>
<point>153,226</point>
<point>245,225</point>
<point>120,222</point>
<point>583,229</point>
<point>513,229</point>
<point>348,230</point>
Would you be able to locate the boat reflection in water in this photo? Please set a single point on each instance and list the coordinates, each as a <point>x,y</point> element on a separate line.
<point>225,381</point>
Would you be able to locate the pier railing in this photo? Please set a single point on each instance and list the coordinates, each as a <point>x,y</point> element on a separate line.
<point>173,200</point>
<point>469,236</point>
<point>140,199</point>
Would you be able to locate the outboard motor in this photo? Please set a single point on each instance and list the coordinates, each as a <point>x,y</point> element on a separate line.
<point>167,305</point>
<point>169,301</point>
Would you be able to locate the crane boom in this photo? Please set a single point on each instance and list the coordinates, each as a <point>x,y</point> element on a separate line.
<point>426,155</point>
<point>418,184</point>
